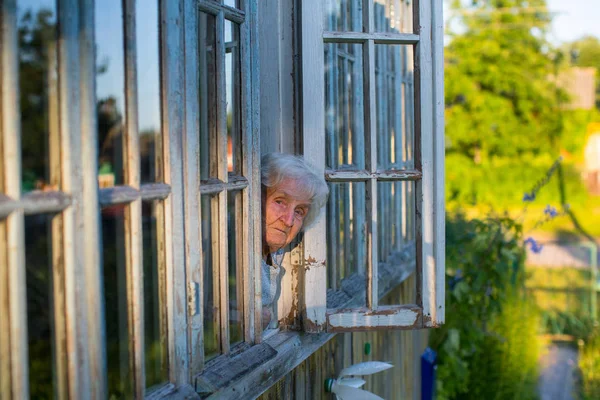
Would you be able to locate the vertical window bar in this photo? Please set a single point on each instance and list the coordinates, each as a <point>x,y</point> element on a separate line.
<point>424,100</point>
<point>246,242</point>
<point>89,151</point>
<point>250,55</point>
<point>358,141</point>
<point>54,144</point>
<point>221,209</point>
<point>371,159</point>
<point>438,130</point>
<point>170,216</point>
<point>12,268</point>
<point>191,156</point>
<point>133,211</point>
<point>71,182</point>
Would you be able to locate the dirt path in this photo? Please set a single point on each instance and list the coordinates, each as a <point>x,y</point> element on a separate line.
<point>558,366</point>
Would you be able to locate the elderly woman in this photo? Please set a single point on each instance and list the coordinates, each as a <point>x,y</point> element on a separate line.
<point>293,196</point>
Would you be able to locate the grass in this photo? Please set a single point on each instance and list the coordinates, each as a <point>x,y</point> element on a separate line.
<point>589,366</point>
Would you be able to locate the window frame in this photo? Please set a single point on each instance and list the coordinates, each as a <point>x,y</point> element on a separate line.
<point>427,41</point>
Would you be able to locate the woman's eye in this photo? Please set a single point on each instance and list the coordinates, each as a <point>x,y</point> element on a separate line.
<point>300,212</point>
<point>278,201</point>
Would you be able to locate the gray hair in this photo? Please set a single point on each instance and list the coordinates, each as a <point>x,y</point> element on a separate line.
<point>276,167</point>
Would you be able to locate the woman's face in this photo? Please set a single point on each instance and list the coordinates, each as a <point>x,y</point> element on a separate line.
<point>286,206</point>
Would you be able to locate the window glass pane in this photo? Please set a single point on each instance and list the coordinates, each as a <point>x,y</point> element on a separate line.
<point>154,296</point>
<point>234,217</point>
<point>40,306</point>
<point>148,85</point>
<point>232,3</point>
<point>343,15</point>
<point>346,242</point>
<point>209,260</point>
<point>115,297</point>
<point>344,102</point>
<point>110,89</point>
<point>208,95</point>
<point>394,106</point>
<point>233,94</point>
<point>396,230</point>
<point>38,95</point>
<point>395,16</point>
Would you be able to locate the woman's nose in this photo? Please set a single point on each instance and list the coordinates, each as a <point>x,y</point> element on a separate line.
<point>288,217</point>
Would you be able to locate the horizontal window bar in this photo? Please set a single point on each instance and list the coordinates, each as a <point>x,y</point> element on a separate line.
<point>127,194</point>
<point>407,316</point>
<point>213,185</point>
<point>378,37</point>
<point>37,202</point>
<point>362,175</point>
<point>214,8</point>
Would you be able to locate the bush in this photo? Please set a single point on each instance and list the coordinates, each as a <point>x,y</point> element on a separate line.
<point>589,366</point>
<point>488,346</point>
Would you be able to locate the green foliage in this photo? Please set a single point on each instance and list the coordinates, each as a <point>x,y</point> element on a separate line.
<point>589,366</point>
<point>499,100</point>
<point>501,182</point>
<point>487,347</point>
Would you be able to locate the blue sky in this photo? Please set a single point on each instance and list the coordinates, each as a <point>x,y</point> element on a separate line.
<point>574,19</point>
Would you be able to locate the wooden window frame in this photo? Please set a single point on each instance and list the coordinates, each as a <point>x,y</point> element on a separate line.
<point>428,174</point>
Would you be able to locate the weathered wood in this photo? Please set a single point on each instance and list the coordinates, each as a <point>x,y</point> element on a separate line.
<point>313,105</point>
<point>14,338</point>
<point>91,211</point>
<point>126,194</point>
<point>385,317</point>
<point>133,212</point>
<point>215,185</point>
<point>215,8</point>
<point>193,212</point>
<point>439,215</point>
<point>363,37</point>
<point>172,236</point>
<point>71,182</point>
<point>221,272</point>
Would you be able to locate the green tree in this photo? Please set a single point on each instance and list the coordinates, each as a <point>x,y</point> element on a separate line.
<point>500,100</point>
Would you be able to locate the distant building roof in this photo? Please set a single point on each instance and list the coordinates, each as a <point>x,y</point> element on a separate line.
<point>580,84</point>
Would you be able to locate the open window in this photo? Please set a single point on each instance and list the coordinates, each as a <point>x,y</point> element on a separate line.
<point>372,105</point>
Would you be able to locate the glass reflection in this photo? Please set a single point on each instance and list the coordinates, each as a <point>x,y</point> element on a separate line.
<point>394,102</point>
<point>343,15</point>
<point>233,96</point>
<point>110,89</point>
<point>393,16</point>
<point>40,306</point>
<point>208,95</point>
<point>38,89</point>
<point>115,297</point>
<point>148,77</point>
<point>396,229</point>
<point>344,105</point>
<point>209,259</point>
<point>234,233</point>
<point>154,295</point>
<point>346,250</point>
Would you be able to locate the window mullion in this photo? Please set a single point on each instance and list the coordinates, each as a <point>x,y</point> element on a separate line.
<point>89,151</point>
<point>133,211</point>
<point>193,227</point>
<point>171,214</point>
<point>424,160</point>
<point>371,146</point>
<point>222,272</point>
<point>58,283</point>
<point>251,237</point>
<point>13,339</point>
<point>72,183</point>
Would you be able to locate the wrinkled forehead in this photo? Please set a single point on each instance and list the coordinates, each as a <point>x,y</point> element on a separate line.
<point>296,188</point>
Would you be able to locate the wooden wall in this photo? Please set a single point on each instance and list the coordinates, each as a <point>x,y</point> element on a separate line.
<point>401,348</point>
